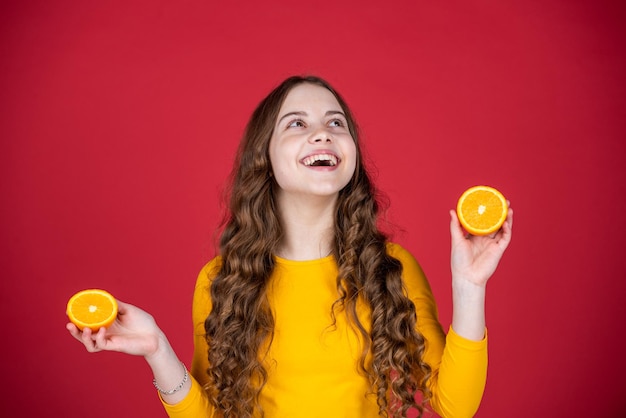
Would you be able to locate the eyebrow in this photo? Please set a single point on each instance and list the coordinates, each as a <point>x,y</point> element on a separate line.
<point>302,113</point>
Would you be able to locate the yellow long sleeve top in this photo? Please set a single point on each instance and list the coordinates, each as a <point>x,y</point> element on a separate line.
<point>312,367</point>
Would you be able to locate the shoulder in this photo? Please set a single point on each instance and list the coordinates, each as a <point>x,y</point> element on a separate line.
<point>409,263</point>
<point>418,290</point>
<point>209,271</point>
<point>395,250</point>
<point>413,276</point>
<point>202,291</point>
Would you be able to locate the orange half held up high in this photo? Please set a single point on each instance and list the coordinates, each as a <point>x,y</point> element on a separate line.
<point>482,210</point>
<point>92,308</point>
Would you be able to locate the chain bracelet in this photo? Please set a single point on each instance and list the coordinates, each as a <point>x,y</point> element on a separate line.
<point>177,388</point>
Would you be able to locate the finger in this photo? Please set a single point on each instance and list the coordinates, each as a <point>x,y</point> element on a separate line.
<point>86,333</point>
<point>100,339</point>
<point>456,231</point>
<point>122,307</point>
<point>87,339</point>
<point>509,218</point>
<point>74,331</point>
<point>506,226</point>
<point>506,231</point>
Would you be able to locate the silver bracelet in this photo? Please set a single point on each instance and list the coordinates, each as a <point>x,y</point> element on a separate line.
<point>177,388</point>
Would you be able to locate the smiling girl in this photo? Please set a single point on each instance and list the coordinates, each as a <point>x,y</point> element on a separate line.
<point>309,310</point>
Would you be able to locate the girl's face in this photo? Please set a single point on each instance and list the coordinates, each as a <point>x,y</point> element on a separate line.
<point>311,150</point>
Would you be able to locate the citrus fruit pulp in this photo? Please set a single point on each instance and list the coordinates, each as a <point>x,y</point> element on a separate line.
<point>482,210</point>
<point>92,308</point>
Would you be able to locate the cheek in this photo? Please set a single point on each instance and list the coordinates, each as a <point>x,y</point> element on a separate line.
<point>352,153</point>
<point>279,167</point>
<point>283,179</point>
<point>274,158</point>
<point>279,173</point>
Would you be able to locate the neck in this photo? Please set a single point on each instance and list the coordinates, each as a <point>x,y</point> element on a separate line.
<point>308,226</point>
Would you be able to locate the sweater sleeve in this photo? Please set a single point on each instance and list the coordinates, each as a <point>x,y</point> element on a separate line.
<point>459,366</point>
<point>196,403</point>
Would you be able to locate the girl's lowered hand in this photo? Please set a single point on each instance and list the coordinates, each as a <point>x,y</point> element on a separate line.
<point>133,332</point>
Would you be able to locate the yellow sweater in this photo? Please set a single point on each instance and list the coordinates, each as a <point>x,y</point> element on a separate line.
<point>313,368</point>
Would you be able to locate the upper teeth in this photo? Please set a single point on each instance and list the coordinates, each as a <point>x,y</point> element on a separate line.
<point>320,157</point>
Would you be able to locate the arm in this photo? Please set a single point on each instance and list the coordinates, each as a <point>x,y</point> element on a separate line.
<point>459,381</point>
<point>135,332</point>
<point>459,359</point>
<point>458,365</point>
<point>473,260</point>
<point>196,404</point>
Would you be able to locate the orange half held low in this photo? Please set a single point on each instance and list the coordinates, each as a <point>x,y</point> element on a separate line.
<point>92,308</point>
<point>482,210</point>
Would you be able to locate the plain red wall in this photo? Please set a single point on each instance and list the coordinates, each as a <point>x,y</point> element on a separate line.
<point>118,125</point>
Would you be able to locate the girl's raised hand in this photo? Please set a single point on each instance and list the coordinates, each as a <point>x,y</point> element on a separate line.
<point>475,258</point>
<point>133,332</point>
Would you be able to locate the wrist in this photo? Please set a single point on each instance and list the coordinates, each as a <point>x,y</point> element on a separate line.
<point>468,316</point>
<point>162,350</point>
<point>178,388</point>
<point>171,378</point>
<point>463,287</point>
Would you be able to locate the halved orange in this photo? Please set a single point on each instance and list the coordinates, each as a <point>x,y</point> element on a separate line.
<point>482,210</point>
<point>92,308</point>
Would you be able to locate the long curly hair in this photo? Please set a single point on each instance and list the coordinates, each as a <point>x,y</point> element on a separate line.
<point>239,329</point>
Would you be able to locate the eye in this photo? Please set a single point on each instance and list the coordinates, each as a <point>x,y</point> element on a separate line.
<point>337,123</point>
<point>296,123</point>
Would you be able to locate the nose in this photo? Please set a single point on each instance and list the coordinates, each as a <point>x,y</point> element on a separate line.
<point>320,136</point>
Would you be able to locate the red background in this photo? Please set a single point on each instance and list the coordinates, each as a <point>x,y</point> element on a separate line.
<point>118,125</point>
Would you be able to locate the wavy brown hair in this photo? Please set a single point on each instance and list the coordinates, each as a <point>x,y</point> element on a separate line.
<point>240,327</point>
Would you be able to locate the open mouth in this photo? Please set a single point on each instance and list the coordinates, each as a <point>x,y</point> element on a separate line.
<point>321,160</point>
